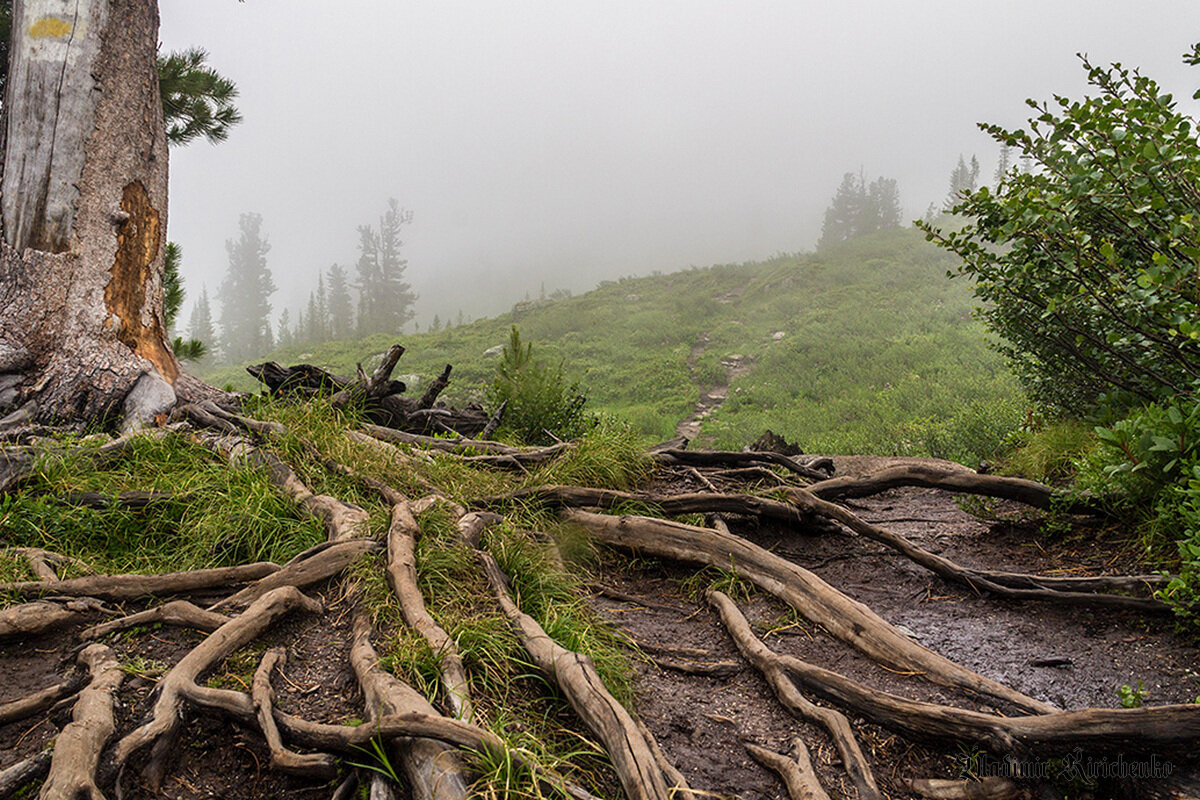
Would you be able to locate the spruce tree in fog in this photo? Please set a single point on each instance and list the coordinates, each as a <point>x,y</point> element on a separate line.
<point>860,208</point>
<point>200,324</point>
<point>385,299</point>
<point>341,308</point>
<point>245,294</point>
<point>964,179</point>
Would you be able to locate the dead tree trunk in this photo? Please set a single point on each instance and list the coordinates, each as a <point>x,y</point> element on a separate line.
<point>84,207</point>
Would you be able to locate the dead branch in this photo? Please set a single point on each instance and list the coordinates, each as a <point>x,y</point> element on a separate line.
<point>814,599</point>
<point>319,766</point>
<point>176,612</point>
<point>78,747</point>
<point>796,772</point>
<point>953,479</point>
<point>830,719</point>
<point>131,587</point>
<point>638,770</point>
<point>724,458</point>
<point>465,446</point>
<point>238,632</point>
<point>493,422</point>
<point>980,580</point>
<point>436,387</point>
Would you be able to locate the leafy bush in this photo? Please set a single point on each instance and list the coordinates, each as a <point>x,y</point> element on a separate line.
<point>1049,453</point>
<point>1151,461</point>
<point>1087,263</point>
<point>542,406</point>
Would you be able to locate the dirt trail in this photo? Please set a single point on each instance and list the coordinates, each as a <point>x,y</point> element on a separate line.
<point>698,720</point>
<point>711,399</point>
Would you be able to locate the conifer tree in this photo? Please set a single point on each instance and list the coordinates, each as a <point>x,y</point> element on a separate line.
<point>368,280</point>
<point>341,310</point>
<point>245,293</point>
<point>200,324</point>
<point>285,337</point>
<point>397,297</point>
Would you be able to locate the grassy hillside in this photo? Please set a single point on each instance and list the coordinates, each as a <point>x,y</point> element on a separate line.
<point>878,351</point>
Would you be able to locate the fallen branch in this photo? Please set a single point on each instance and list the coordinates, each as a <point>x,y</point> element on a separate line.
<point>16,777</point>
<point>40,616</point>
<point>311,567</point>
<point>953,479</point>
<point>467,447</point>
<point>814,599</point>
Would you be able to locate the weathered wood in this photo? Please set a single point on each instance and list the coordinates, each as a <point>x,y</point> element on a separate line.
<point>720,458</point>
<point>796,772</point>
<point>637,768</point>
<point>131,587</point>
<point>319,766</point>
<point>31,704</point>
<point>952,479</point>
<point>1134,729</point>
<point>78,747</point>
<point>812,597</point>
<point>83,198</point>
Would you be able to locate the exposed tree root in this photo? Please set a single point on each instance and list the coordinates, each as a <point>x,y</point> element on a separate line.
<point>238,632</point>
<point>796,772</point>
<point>953,479</point>
<point>833,721</point>
<point>42,562</point>
<point>1012,585</point>
<point>320,766</point>
<point>40,616</point>
<point>990,788</point>
<point>814,599</point>
<point>313,566</point>
<point>433,769</point>
<point>637,768</point>
<point>37,702</point>
<point>22,773</point>
<point>176,612</point>
<point>131,587</point>
<point>402,577</point>
<point>525,456</point>
<point>78,748</point>
<point>1111,728</point>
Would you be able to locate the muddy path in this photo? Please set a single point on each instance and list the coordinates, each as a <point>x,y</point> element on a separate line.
<point>711,398</point>
<point>1070,658</point>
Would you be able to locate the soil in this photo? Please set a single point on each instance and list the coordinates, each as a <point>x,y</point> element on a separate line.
<point>1068,657</point>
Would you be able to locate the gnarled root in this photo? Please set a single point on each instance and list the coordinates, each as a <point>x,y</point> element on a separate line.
<point>77,749</point>
<point>637,768</point>
<point>176,612</point>
<point>131,587</point>
<point>238,632</point>
<point>314,765</point>
<point>31,704</point>
<point>17,776</point>
<point>434,770</point>
<point>814,599</point>
<point>832,720</point>
<point>32,619</point>
<point>796,772</point>
<point>1132,728</point>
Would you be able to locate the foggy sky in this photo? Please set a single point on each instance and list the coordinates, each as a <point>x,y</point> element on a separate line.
<point>568,142</point>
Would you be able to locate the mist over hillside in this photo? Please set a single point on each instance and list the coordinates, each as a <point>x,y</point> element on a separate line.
<point>867,346</point>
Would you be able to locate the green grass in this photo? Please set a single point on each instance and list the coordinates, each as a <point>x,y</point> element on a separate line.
<point>880,353</point>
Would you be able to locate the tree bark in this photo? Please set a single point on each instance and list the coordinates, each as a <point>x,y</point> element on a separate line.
<point>83,199</point>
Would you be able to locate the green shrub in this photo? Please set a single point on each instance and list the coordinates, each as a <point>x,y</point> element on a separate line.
<point>1050,453</point>
<point>542,405</point>
<point>1148,464</point>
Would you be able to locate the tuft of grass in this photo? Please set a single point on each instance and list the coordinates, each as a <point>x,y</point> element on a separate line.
<point>611,455</point>
<point>1049,455</point>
